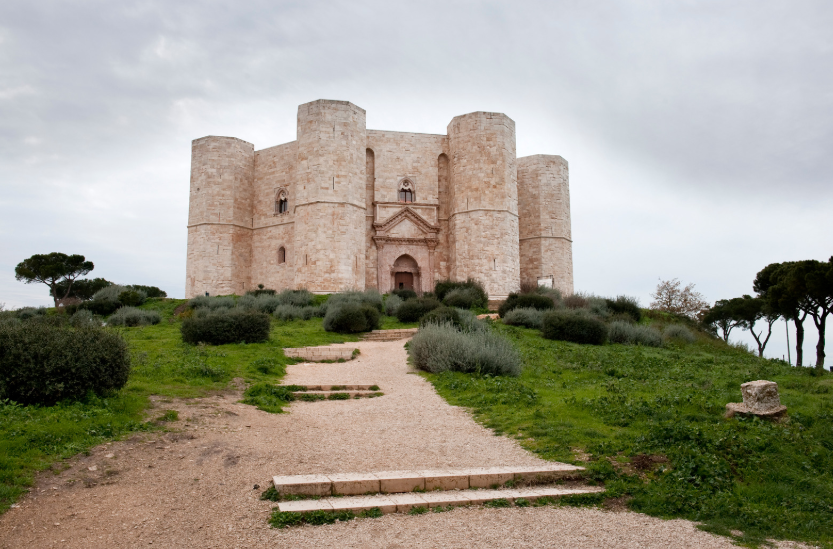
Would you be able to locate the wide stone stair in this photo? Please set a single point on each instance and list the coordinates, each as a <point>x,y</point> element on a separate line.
<point>401,491</point>
<point>321,354</point>
<point>389,335</point>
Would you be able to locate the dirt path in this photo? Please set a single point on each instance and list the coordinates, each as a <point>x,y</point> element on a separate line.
<point>195,487</point>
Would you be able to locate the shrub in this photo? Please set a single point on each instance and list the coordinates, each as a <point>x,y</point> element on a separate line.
<point>351,317</point>
<point>261,290</point>
<point>525,316</point>
<point>517,301</point>
<point>30,312</point>
<point>149,291</point>
<point>598,306</point>
<point>211,303</point>
<point>131,298</point>
<point>226,326</point>
<point>43,363</point>
<point>299,298</point>
<point>575,327</point>
<point>368,297</point>
<point>443,287</point>
<point>293,312</point>
<point>440,347</point>
<point>404,294</point>
<point>83,318</point>
<point>679,333</point>
<point>106,300</point>
<point>625,305</point>
<point>414,309</point>
<point>130,316</point>
<point>392,304</point>
<point>575,301</point>
<point>630,334</point>
<point>464,298</point>
<point>441,315</point>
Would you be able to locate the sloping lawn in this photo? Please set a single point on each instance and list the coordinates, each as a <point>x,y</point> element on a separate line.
<point>649,423</point>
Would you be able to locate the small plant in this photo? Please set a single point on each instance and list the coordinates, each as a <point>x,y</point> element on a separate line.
<point>441,509</point>
<point>419,510</point>
<point>374,387</point>
<point>497,503</point>
<point>575,327</point>
<point>339,396</point>
<point>169,415</point>
<point>268,397</point>
<point>522,502</point>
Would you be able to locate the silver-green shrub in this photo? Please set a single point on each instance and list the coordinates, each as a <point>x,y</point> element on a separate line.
<point>392,304</point>
<point>368,297</point>
<point>29,312</point>
<point>211,303</point>
<point>131,316</point>
<point>299,298</point>
<point>678,332</point>
<point>82,318</point>
<point>525,316</point>
<point>440,347</point>
<point>632,334</point>
<point>294,312</point>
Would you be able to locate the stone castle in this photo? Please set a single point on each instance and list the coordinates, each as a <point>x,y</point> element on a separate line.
<point>344,207</point>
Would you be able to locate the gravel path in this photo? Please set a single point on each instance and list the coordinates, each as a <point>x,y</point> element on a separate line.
<point>194,487</point>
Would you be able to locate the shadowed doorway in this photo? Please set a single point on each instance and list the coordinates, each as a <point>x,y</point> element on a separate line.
<point>405,273</point>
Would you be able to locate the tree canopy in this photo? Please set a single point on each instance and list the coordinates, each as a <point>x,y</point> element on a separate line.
<point>52,270</point>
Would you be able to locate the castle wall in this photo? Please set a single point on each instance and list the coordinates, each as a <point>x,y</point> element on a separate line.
<point>274,170</point>
<point>545,233</point>
<point>330,189</point>
<point>219,216</point>
<point>483,221</point>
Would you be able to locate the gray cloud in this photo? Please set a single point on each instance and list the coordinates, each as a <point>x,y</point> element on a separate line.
<point>698,132</point>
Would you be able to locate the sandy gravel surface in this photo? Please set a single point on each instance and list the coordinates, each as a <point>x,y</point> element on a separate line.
<point>195,487</point>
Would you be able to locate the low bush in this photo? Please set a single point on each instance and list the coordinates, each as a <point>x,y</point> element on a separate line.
<point>219,327</point>
<point>632,334</point>
<point>442,347</point>
<point>444,287</point>
<point>149,291</point>
<point>131,298</point>
<point>464,298</point>
<point>392,304</point>
<point>44,363</point>
<point>351,317</point>
<point>404,294</point>
<point>441,315</point>
<point>268,397</point>
<point>517,301</point>
<point>525,316</point>
<point>575,301</point>
<point>368,297</point>
<point>678,332</point>
<point>299,298</point>
<point>261,290</point>
<point>625,305</point>
<point>413,310</point>
<point>83,318</point>
<point>130,316</point>
<point>211,303</point>
<point>575,327</point>
<point>29,312</point>
<point>293,312</point>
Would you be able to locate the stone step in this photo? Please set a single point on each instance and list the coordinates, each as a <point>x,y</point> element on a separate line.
<point>389,482</point>
<point>389,335</point>
<point>324,395</point>
<point>319,354</point>
<point>341,387</point>
<point>402,503</point>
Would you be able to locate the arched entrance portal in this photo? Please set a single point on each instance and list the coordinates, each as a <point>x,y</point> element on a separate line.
<point>405,273</point>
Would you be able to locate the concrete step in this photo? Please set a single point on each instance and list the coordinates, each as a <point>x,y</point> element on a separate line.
<point>320,354</point>
<point>389,335</point>
<point>325,395</point>
<point>402,503</point>
<point>390,482</point>
<point>373,387</point>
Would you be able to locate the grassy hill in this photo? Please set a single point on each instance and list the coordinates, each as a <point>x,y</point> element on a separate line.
<point>649,423</point>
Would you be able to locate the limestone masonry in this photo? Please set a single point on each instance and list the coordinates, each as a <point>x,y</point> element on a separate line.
<point>345,207</point>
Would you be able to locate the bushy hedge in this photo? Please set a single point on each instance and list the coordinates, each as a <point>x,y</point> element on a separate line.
<point>678,332</point>
<point>212,303</point>
<point>414,309</point>
<point>221,326</point>
<point>464,298</point>
<point>441,315</point>
<point>83,318</point>
<point>107,300</point>
<point>444,287</point>
<point>532,301</point>
<point>525,316</point>
<point>392,303</point>
<point>440,347</point>
<point>574,326</point>
<point>130,316</point>
<point>625,305</point>
<point>44,362</point>
<point>404,294</point>
<point>351,317</point>
<point>368,297</point>
<point>294,312</point>
<point>632,334</point>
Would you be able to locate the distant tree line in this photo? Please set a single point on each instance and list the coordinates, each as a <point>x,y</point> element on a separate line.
<point>791,290</point>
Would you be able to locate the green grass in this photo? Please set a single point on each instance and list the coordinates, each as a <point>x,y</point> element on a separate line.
<point>36,438</point>
<point>615,402</point>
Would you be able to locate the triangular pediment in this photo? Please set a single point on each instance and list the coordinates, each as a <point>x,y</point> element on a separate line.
<point>406,223</point>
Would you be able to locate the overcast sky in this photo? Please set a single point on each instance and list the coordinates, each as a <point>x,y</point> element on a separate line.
<point>699,134</point>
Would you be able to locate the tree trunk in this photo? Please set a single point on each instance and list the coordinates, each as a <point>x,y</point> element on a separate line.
<point>799,341</point>
<point>820,345</point>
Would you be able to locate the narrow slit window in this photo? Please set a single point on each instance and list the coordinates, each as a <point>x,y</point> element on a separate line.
<point>281,255</point>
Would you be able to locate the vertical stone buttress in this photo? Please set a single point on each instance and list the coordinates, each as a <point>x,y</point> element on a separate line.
<point>441,261</point>
<point>371,254</point>
<point>546,243</point>
<point>219,216</point>
<point>331,189</point>
<point>483,221</point>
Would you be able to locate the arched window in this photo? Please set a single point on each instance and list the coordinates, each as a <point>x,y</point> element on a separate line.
<point>406,191</point>
<point>281,255</point>
<point>281,202</point>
